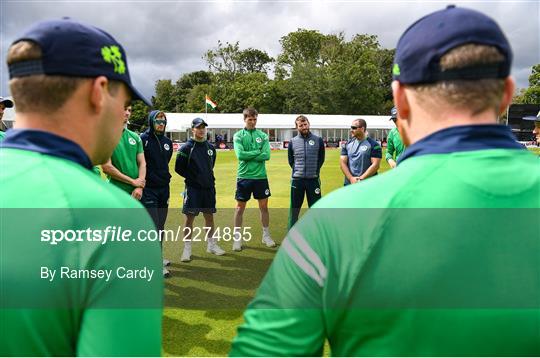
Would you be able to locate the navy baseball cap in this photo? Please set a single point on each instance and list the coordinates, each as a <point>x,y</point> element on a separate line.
<point>72,48</point>
<point>6,102</point>
<point>393,113</point>
<point>197,122</point>
<point>422,45</point>
<point>533,118</point>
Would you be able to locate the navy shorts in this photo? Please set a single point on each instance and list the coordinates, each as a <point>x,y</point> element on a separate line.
<point>199,200</point>
<point>259,188</point>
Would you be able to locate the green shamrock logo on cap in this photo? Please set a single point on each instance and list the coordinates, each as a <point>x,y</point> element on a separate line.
<point>395,70</point>
<point>112,54</point>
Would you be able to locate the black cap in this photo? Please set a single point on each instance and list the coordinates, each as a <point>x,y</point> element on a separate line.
<point>533,118</point>
<point>421,47</point>
<point>71,48</point>
<point>393,113</point>
<point>6,102</point>
<point>197,122</point>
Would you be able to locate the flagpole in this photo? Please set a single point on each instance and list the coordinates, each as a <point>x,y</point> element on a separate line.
<point>205,108</point>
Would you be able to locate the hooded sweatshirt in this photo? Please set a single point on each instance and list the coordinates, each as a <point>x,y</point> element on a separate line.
<point>157,153</point>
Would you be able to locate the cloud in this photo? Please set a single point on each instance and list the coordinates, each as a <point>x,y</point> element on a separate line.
<point>165,39</point>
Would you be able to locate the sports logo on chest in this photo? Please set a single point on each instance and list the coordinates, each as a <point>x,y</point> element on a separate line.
<point>363,148</point>
<point>166,146</point>
<point>210,152</point>
<point>311,142</point>
<point>258,140</point>
<point>132,141</point>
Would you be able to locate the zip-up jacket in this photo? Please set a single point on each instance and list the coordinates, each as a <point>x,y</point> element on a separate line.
<point>252,150</point>
<point>306,156</point>
<point>195,162</point>
<point>157,153</point>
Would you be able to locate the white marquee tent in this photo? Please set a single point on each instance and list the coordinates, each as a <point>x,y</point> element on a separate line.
<point>280,127</point>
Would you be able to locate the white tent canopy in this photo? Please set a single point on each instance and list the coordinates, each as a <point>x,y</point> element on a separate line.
<point>180,122</point>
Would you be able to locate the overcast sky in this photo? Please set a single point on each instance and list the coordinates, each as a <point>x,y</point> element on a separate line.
<point>165,39</point>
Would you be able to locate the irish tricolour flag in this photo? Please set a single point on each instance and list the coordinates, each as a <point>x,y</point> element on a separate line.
<point>209,102</point>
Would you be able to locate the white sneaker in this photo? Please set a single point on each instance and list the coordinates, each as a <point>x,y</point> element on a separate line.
<point>166,262</point>
<point>237,245</point>
<point>186,254</point>
<point>267,240</point>
<point>166,273</point>
<point>214,248</point>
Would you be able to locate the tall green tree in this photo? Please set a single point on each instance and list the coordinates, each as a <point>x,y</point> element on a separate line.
<point>164,98</point>
<point>139,116</point>
<point>531,95</point>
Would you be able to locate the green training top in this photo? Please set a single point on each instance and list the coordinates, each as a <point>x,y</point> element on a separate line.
<point>438,257</point>
<point>71,316</point>
<point>124,158</point>
<point>2,135</point>
<point>394,145</point>
<point>252,150</point>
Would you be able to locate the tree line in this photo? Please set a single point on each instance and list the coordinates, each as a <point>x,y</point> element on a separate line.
<point>314,73</point>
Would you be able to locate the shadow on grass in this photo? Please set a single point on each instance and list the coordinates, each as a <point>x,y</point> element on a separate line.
<point>216,283</point>
<point>180,338</point>
<point>224,315</point>
<point>199,299</point>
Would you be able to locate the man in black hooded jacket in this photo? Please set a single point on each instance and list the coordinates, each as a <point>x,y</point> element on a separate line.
<point>157,153</point>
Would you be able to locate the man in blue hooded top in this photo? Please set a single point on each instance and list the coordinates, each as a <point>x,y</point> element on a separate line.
<point>157,153</point>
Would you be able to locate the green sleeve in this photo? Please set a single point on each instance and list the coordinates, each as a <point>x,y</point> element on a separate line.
<point>265,151</point>
<point>140,148</point>
<point>285,318</point>
<point>242,154</point>
<point>390,149</point>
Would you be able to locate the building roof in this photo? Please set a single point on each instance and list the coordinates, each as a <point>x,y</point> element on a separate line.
<point>179,122</point>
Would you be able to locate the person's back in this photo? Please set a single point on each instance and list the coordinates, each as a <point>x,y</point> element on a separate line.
<point>79,273</point>
<point>413,279</point>
<point>60,314</point>
<point>438,257</point>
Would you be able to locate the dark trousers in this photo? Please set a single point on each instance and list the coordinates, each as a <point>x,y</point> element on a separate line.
<point>300,187</point>
<point>156,202</point>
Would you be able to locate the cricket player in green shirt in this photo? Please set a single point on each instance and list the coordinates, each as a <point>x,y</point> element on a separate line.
<point>127,167</point>
<point>75,294</point>
<point>394,146</point>
<point>438,257</point>
<point>252,150</point>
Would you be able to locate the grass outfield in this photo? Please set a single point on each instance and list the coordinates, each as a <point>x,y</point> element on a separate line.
<point>205,298</point>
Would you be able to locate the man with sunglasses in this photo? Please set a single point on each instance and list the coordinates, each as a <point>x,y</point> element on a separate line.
<point>157,155</point>
<point>361,155</point>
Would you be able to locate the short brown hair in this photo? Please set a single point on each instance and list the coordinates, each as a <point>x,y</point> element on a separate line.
<point>361,123</point>
<point>300,118</point>
<point>250,112</point>
<point>42,93</point>
<point>474,95</point>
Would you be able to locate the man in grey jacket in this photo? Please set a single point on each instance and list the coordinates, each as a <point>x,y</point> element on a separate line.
<point>306,157</point>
